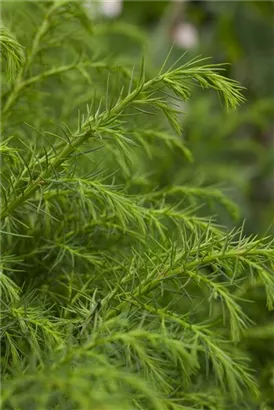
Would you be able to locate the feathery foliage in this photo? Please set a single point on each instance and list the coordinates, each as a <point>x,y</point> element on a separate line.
<point>117,292</point>
<point>12,52</point>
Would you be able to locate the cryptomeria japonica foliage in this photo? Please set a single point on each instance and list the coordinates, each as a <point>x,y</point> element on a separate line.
<point>116,291</point>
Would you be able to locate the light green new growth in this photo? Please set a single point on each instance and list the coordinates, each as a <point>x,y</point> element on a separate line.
<point>116,291</point>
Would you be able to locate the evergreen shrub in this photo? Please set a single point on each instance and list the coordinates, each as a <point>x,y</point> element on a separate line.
<point>118,291</point>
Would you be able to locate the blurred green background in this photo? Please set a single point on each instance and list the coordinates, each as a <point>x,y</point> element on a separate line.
<point>234,150</point>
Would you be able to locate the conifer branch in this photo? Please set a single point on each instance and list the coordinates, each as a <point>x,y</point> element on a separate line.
<point>116,290</point>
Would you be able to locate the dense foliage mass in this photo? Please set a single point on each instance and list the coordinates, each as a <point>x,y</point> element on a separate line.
<point>119,289</point>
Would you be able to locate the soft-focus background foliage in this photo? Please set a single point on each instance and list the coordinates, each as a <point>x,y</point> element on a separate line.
<point>235,150</point>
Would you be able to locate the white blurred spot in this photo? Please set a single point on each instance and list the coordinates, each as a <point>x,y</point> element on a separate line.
<point>185,35</point>
<point>111,8</point>
<point>107,8</point>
